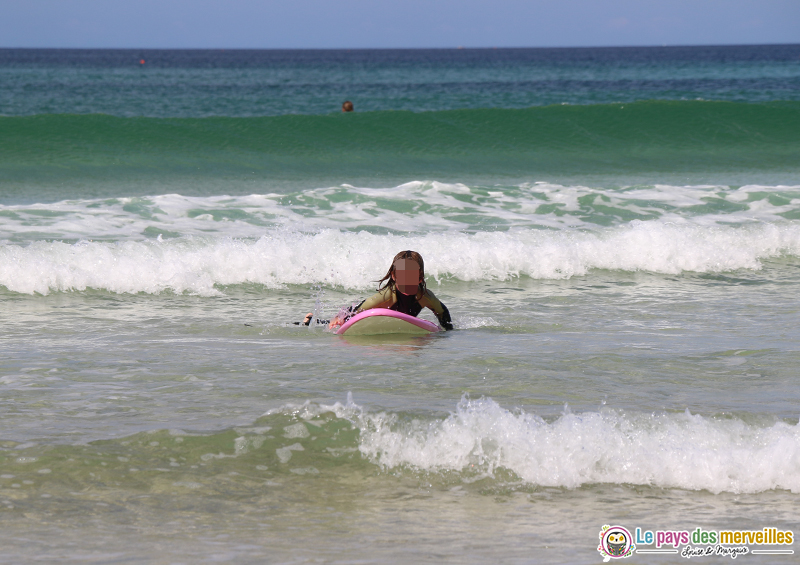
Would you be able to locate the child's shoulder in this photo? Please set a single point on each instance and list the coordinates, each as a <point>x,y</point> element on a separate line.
<point>384,293</point>
<point>429,294</point>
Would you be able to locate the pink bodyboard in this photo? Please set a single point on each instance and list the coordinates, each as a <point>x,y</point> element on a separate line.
<point>377,321</point>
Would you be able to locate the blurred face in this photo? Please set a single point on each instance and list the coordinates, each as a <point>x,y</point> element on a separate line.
<point>406,276</point>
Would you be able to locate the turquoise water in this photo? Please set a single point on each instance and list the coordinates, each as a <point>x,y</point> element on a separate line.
<point>49,158</point>
<point>240,83</point>
<point>622,272</point>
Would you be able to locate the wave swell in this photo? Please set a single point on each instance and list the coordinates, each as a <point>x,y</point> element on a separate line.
<point>480,441</point>
<point>665,450</point>
<point>200,265</point>
<point>678,136</point>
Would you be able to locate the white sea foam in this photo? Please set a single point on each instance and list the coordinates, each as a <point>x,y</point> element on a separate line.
<point>665,450</point>
<point>413,208</point>
<point>352,260</point>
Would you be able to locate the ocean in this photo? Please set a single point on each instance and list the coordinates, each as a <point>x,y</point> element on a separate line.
<point>615,231</point>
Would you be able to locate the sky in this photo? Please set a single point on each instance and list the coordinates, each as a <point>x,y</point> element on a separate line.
<point>268,24</point>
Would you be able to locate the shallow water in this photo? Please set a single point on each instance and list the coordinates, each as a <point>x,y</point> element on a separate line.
<point>637,398</point>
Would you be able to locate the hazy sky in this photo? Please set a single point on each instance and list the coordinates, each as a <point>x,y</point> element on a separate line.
<point>394,23</point>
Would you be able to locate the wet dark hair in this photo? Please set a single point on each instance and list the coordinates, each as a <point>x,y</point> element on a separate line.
<point>413,256</point>
<point>347,106</point>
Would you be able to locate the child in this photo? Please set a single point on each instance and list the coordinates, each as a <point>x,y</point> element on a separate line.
<point>404,291</point>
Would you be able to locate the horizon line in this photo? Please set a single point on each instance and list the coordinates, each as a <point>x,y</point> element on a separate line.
<point>451,48</point>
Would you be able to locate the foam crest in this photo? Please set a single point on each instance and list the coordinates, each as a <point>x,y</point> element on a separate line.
<point>412,208</point>
<point>665,450</point>
<point>352,260</point>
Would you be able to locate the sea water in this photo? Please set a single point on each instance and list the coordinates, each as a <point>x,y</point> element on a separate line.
<point>620,260</point>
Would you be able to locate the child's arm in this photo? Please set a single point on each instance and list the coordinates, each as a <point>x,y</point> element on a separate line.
<point>429,300</point>
<point>342,317</point>
<point>381,299</point>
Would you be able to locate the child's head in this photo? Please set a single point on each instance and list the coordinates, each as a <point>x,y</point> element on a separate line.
<point>406,274</point>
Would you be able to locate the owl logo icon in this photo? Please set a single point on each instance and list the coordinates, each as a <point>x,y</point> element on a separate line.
<point>615,543</point>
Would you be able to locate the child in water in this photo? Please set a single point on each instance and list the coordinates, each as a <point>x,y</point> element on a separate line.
<point>403,290</point>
